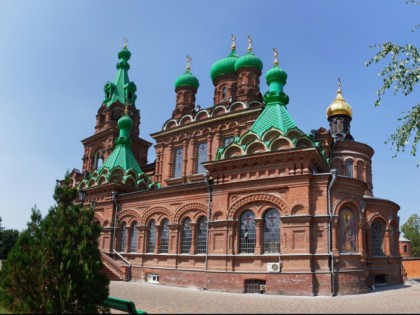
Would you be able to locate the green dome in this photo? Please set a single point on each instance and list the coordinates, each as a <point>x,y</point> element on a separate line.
<point>276,74</point>
<point>187,79</point>
<point>248,60</point>
<point>125,122</point>
<point>224,66</point>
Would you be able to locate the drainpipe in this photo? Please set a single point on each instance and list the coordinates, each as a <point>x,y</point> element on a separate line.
<point>114,199</point>
<point>334,176</point>
<point>209,189</point>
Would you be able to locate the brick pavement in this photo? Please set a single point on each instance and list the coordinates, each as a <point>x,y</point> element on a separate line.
<point>160,299</point>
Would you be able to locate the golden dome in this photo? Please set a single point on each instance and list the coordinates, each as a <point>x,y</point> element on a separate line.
<point>339,106</point>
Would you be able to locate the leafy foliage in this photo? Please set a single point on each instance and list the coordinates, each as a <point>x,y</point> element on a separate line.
<point>55,266</point>
<point>411,230</point>
<point>402,72</point>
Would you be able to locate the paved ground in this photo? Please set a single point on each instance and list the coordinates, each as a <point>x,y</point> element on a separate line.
<point>159,299</point>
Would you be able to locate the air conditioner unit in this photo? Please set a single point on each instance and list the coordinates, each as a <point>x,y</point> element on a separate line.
<point>273,267</point>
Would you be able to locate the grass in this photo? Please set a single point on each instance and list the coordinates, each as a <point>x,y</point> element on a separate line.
<point>4,310</point>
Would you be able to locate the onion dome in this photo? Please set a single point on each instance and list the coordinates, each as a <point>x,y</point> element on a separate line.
<point>187,78</point>
<point>276,74</point>
<point>339,106</point>
<point>125,122</point>
<point>225,65</point>
<point>249,60</point>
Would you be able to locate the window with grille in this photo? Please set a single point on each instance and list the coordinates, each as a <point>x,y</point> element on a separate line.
<point>202,236</point>
<point>201,157</point>
<point>247,232</point>
<point>178,162</point>
<point>377,232</point>
<point>186,236</point>
<point>227,141</point>
<point>151,240</point>
<point>272,231</point>
<point>164,239</point>
<point>134,237</point>
<point>254,286</point>
<point>123,237</point>
<point>224,94</point>
<point>347,231</point>
<point>349,168</point>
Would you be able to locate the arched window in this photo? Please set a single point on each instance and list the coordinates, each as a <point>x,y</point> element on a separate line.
<point>347,231</point>
<point>186,236</point>
<point>224,94</point>
<point>247,232</point>
<point>134,237</point>
<point>123,237</point>
<point>178,162</point>
<point>272,231</point>
<point>98,160</point>
<point>377,232</point>
<point>202,236</point>
<point>151,240</point>
<point>164,239</point>
<point>349,168</point>
<point>201,157</point>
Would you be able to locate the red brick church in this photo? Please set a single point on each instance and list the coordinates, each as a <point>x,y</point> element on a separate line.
<point>238,198</point>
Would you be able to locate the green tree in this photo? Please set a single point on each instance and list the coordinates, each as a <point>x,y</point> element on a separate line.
<point>411,230</point>
<point>402,73</point>
<point>59,260</point>
<point>8,238</point>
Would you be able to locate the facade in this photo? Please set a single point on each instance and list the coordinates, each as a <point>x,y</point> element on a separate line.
<point>238,198</point>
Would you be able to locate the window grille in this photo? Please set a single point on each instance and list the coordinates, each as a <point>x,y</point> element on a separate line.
<point>201,157</point>
<point>134,237</point>
<point>202,236</point>
<point>377,232</point>
<point>254,286</point>
<point>178,162</point>
<point>272,231</point>
<point>151,241</point>
<point>164,239</point>
<point>247,231</point>
<point>186,236</point>
<point>123,237</point>
<point>348,231</point>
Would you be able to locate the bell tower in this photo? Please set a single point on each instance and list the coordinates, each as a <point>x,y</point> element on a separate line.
<point>119,94</point>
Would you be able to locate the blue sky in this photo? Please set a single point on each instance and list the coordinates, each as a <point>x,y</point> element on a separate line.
<point>56,56</point>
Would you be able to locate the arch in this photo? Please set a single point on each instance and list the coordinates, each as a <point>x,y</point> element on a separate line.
<point>304,143</point>
<point>233,151</point>
<point>191,207</point>
<point>134,237</point>
<point>218,111</point>
<point>248,138</point>
<point>254,104</point>
<point>294,134</point>
<point>377,232</point>
<point>185,120</point>
<point>128,215</point>
<point>270,134</point>
<point>170,124</point>
<point>237,106</point>
<point>201,115</point>
<point>164,236</point>
<point>153,211</point>
<point>281,143</point>
<point>151,236</point>
<point>256,147</point>
<point>298,210</point>
<point>274,201</point>
<point>349,168</point>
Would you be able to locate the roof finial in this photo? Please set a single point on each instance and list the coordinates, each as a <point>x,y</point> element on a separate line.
<point>188,63</point>
<point>276,54</point>
<point>339,85</point>
<point>249,43</point>
<point>233,41</point>
<point>125,42</point>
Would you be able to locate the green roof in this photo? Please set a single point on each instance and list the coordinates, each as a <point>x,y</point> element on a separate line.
<point>121,88</point>
<point>224,66</point>
<point>249,60</point>
<point>123,157</point>
<point>187,79</point>
<point>273,116</point>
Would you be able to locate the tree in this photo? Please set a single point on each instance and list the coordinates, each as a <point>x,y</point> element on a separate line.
<point>403,74</point>
<point>411,230</point>
<point>8,238</point>
<point>56,266</point>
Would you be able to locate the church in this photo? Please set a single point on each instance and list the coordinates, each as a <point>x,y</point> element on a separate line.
<point>238,198</point>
